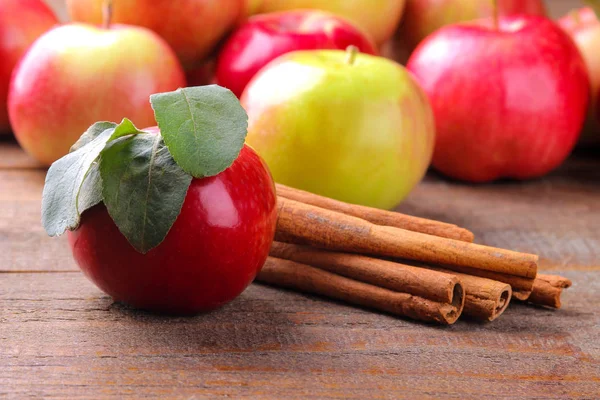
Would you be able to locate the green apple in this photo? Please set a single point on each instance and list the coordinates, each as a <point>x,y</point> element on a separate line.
<point>350,126</point>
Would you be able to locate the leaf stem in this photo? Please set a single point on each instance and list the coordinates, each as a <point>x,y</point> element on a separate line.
<point>107,13</point>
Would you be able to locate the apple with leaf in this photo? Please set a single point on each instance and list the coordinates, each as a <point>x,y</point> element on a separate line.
<point>177,218</point>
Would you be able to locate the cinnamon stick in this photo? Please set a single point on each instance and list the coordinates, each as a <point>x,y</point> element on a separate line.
<point>547,290</point>
<point>377,216</point>
<point>306,224</point>
<point>521,287</point>
<point>485,299</point>
<point>292,275</point>
<point>432,285</point>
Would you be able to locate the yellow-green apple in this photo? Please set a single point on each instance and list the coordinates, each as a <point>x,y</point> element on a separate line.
<point>354,127</point>
<point>509,96</point>
<point>584,28</point>
<point>422,17</point>
<point>77,74</point>
<point>379,18</point>
<point>21,22</point>
<point>265,37</point>
<point>191,27</point>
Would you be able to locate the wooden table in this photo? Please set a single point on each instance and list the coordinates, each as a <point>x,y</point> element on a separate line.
<point>61,337</point>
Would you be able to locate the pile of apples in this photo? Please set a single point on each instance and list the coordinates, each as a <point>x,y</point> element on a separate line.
<point>502,95</point>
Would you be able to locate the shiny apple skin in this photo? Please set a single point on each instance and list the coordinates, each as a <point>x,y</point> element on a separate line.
<point>77,74</point>
<point>509,102</point>
<point>360,132</point>
<point>21,22</point>
<point>191,27</point>
<point>212,253</point>
<point>265,37</point>
<point>423,17</point>
<point>584,28</point>
<point>379,18</point>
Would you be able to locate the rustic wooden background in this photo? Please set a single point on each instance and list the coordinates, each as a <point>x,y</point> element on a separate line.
<point>61,337</point>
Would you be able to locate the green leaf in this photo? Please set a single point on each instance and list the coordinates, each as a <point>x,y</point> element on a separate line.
<point>73,183</point>
<point>92,133</point>
<point>90,192</point>
<point>63,183</point>
<point>143,188</point>
<point>126,127</point>
<point>204,127</point>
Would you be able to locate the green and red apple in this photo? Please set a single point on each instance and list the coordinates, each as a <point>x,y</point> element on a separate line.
<point>423,17</point>
<point>354,127</point>
<point>584,28</point>
<point>379,18</point>
<point>21,22</point>
<point>77,74</point>
<point>191,27</point>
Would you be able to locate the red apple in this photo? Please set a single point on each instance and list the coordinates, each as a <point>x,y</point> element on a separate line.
<point>215,248</point>
<point>509,100</point>
<point>191,27</point>
<point>21,22</point>
<point>265,37</point>
<point>379,18</point>
<point>422,17</point>
<point>584,28</point>
<point>77,74</point>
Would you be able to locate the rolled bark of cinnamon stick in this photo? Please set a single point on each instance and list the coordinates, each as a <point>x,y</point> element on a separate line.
<point>485,299</point>
<point>377,216</point>
<point>547,290</point>
<point>521,287</point>
<point>293,275</point>
<point>306,224</point>
<point>426,283</point>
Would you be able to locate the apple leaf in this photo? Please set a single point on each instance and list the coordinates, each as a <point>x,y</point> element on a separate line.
<point>143,188</point>
<point>63,183</point>
<point>90,193</point>
<point>204,127</point>
<point>92,133</point>
<point>73,183</point>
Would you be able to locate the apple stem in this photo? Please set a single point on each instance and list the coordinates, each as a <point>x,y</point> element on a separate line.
<point>495,12</point>
<point>351,52</point>
<point>107,12</point>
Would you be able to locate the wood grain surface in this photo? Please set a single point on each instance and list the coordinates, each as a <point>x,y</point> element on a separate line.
<point>60,337</point>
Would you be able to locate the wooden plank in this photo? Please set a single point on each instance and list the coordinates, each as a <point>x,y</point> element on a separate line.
<point>557,217</point>
<point>61,337</point>
<point>12,157</point>
<point>24,245</point>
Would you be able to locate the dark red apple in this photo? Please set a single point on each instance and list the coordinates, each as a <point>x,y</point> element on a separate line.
<point>509,100</point>
<point>265,37</point>
<point>213,251</point>
<point>21,22</point>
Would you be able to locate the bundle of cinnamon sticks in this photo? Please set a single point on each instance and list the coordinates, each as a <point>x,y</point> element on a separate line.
<point>400,264</point>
